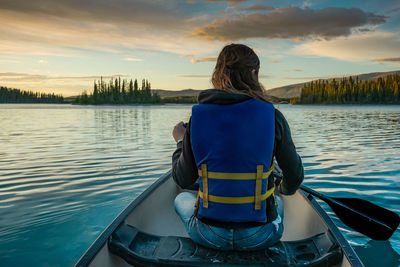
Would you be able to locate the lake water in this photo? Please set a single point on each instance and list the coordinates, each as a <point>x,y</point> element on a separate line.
<point>67,171</point>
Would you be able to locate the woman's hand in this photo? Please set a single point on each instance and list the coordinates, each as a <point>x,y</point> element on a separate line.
<point>179,131</point>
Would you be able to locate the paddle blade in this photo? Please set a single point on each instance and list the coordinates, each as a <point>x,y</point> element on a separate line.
<point>365,217</point>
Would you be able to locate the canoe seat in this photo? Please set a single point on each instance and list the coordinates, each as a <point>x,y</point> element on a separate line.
<point>143,249</point>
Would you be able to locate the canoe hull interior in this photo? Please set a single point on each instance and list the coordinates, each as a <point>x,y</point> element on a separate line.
<point>143,249</point>
<point>153,213</point>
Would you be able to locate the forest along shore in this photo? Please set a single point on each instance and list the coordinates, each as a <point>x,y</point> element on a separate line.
<point>17,96</point>
<point>384,90</point>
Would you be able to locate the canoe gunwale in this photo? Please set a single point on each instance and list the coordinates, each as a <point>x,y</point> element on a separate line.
<point>348,251</point>
<point>98,244</point>
<point>91,252</point>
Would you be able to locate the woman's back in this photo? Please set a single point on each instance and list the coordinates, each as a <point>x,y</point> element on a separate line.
<point>228,147</point>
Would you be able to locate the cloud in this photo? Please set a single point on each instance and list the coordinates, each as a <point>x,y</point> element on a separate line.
<point>289,23</point>
<point>152,13</point>
<point>388,59</point>
<point>194,59</point>
<point>274,61</point>
<point>364,46</point>
<point>261,76</point>
<point>66,85</point>
<point>304,78</point>
<point>69,28</point>
<point>42,61</point>
<point>23,77</point>
<point>203,59</point>
<point>255,8</point>
<point>315,77</point>
<point>294,70</point>
<point>194,76</point>
<point>9,61</point>
<point>306,4</point>
<point>132,59</point>
<point>230,2</point>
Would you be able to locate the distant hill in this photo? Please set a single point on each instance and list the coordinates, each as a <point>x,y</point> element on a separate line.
<point>170,93</point>
<point>294,90</point>
<point>70,99</point>
<point>287,91</point>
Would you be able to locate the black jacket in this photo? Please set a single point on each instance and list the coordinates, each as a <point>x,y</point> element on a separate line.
<point>184,169</point>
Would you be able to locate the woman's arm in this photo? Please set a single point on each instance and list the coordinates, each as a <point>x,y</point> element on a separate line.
<point>184,169</point>
<point>286,156</point>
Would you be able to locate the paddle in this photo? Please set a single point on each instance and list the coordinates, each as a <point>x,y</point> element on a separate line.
<point>363,216</point>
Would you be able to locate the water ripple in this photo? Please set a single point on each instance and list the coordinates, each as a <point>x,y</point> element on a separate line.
<point>67,171</point>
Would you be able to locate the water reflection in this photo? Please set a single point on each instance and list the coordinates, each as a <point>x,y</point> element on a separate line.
<point>352,152</point>
<point>378,253</point>
<point>67,171</point>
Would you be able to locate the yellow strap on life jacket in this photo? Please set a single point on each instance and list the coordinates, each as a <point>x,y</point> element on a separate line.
<point>197,201</point>
<point>256,199</point>
<point>236,176</point>
<point>204,175</point>
<point>237,200</point>
<point>257,195</point>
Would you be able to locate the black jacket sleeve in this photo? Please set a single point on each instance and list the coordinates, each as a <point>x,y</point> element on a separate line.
<point>286,156</point>
<point>184,169</point>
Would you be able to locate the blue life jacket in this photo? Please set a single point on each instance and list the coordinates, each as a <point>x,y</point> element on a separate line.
<point>233,149</point>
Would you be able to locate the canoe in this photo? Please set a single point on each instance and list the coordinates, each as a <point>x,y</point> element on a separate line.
<point>149,233</point>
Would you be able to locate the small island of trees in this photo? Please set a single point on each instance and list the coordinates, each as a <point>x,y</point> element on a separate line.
<point>351,91</point>
<point>11,95</point>
<point>119,92</point>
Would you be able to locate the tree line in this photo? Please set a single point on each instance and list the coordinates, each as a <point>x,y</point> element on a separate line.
<point>11,95</point>
<point>384,90</point>
<point>118,91</point>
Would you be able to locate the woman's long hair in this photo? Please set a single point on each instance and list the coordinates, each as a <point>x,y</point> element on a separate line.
<point>236,71</point>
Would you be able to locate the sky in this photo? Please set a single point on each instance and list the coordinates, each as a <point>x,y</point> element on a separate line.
<point>62,46</point>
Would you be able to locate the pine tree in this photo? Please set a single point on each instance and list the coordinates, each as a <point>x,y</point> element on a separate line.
<point>130,93</point>
<point>123,93</point>
<point>136,91</point>
<point>95,93</point>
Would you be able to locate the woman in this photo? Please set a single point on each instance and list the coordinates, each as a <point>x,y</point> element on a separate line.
<point>228,147</point>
